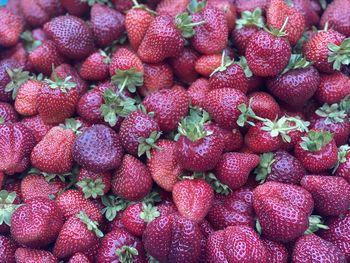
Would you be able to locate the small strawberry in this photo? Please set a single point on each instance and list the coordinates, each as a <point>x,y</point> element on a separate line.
<point>95,66</point>
<point>264,105</point>
<point>79,258</point>
<point>25,255</point>
<point>336,15</point>
<point>7,251</point>
<point>197,92</point>
<point>342,168</point>
<point>11,29</point>
<point>26,97</point>
<point>333,88</point>
<point>317,151</point>
<point>75,7</point>
<point>206,64</point>
<point>7,113</point>
<point>184,65</point>
<point>277,252</point>
<point>37,126</point>
<point>93,184</point>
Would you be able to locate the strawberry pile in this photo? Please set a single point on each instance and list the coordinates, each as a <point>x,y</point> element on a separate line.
<point>178,131</point>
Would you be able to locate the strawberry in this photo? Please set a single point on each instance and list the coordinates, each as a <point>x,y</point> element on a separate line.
<point>333,88</point>
<point>120,246</point>
<point>75,7</point>
<point>26,255</point>
<point>338,233</point>
<point>16,144</point>
<point>197,149</point>
<point>156,77</point>
<point>164,233</point>
<point>234,209</point>
<point>229,10</point>
<point>78,234</point>
<point>37,126</point>
<point>193,198</point>
<point>138,133</point>
<point>317,151</point>
<point>107,24</point>
<point>279,167</point>
<point>264,105</point>
<point>9,201</point>
<point>26,97</point>
<point>206,64</point>
<point>7,113</point>
<point>277,252</point>
<point>223,244</point>
<point>163,166</point>
<point>307,9</point>
<point>316,249</point>
<point>184,65</point>
<point>233,169</point>
<point>331,194</point>
<point>36,223</point>
<point>336,15</point>
<point>11,29</point>
<point>98,149</point>
<point>7,251</point>
<point>165,37</point>
<point>79,258</point>
<point>251,5</point>
<point>74,39</point>
<point>131,173</point>
<point>95,66</point>
<point>89,104</point>
<point>64,71</point>
<point>278,11</point>
<point>169,107</point>
<point>93,184</point>
<point>197,92</point>
<point>342,167</point>
<point>283,210</point>
<point>172,8</point>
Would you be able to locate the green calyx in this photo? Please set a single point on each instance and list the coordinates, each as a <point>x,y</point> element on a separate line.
<point>18,78</point>
<point>126,254</point>
<point>91,188</point>
<point>116,105</point>
<point>144,7</point>
<point>332,113</point>
<point>218,186</point>
<point>279,32</point>
<point>264,167</point>
<point>192,126</point>
<point>342,153</point>
<point>2,120</point>
<point>184,23</point>
<point>91,225</point>
<point>113,204</point>
<point>147,144</point>
<point>149,213</point>
<point>339,55</point>
<point>130,79</point>
<point>258,226</point>
<point>315,223</point>
<point>344,104</point>
<point>194,6</point>
<point>249,18</point>
<point>244,64</point>
<point>102,2</point>
<point>152,259</point>
<point>106,58</point>
<point>7,207</point>
<point>58,83</point>
<point>30,43</point>
<point>49,176</point>
<point>72,124</point>
<point>315,140</point>
<point>296,61</point>
<point>225,63</point>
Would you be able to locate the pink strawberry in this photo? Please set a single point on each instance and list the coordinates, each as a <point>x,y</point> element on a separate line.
<point>7,251</point>
<point>25,255</point>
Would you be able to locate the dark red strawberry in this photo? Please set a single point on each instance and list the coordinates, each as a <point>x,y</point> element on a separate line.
<point>64,71</point>
<point>172,8</point>
<point>93,184</point>
<point>279,167</point>
<point>306,8</point>
<point>11,29</point>
<point>16,143</point>
<point>107,24</point>
<point>232,210</point>
<point>75,7</point>
<point>118,246</point>
<point>333,88</point>
<point>36,223</point>
<point>330,193</point>
<point>316,249</point>
<point>184,65</point>
<point>74,39</point>
<point>132,180</point>
<point>317,151</point>
<point>38,128</point>
<point>163,235</point>
<point>79,258</point>
<point>88,106</point>
<point>25,255</point>
<point>7,250</point>
<point>233,169</point>
<point>7,113</point>
<point>222,244</point>
<point>277,252</point>
<point>283,210</point>
<point>98,149</point>
<point>197,92</point>
<point>264,105</point>
<point>342,167</point>
<point>169,107</point>
<point>337,15</point>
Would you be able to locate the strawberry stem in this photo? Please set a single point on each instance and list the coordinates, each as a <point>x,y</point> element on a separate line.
<point>264,167</point>
<point>316,140</point>
<point>91,225</point>
<point>7,207</point>
<point>113,204</point>
<point>149,212</point>
<point>147,144</point>
<point>184,23</point>
<point>126,254</point>
<point>92,188</point>
<point>249,18</point>
<point>342,154</point>
<point>315,223</point>
<point>192,126</point>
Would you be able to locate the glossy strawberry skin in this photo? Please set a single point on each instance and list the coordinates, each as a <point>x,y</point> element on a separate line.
<point>337,15</point>
<point>184,65</point>
<point>11,29</point>
<point>333,88</point>
<point>37,223</point>
<point>250,5</point>
<point>125,59</point>
<point>7,250</point>
<point>25,102</point>
<point>132,221</point>
<point>88,106</point>
<point>37,126</point>
<point>8,113</point>
<point>25,255</point>
<point>94,67</point>
<point>206,64</point>
<point>307,9</point>
<point>240,37</point>
<point>282,210</point>
<point>264,105</point>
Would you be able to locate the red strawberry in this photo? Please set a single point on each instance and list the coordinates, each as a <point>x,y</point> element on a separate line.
<point>78,234</point>
<point>331,194</point>
<point>278,11</point>
<point>206,64</point>
<point>118,245</point>
<point>27,255</point>
<point>156,77</point>
<point>132,180</point>
<point>251,5</point>
<point>7,250</point>
<point>163,235</point>
<point>72,36</point>
<point>79,258</point>
<point>38,128</point>
<point>75,7</point>
<point>169,107</point>
<point>337,15</point>
<point>342,167</point>
<point>172,8</point>
<point>184,65</point>
<point>7,113</point>
<point>37,223</point>
<point>264,105</point>
<point>98,149</point>
<point>317,152</point>
<point>95,66</point>
<point>316,249</point>
<point>232,210</point>
<point>283,210</point>
<point>64,71</point>
<point>163,166</point>
<point>228,8</point>
<point>233,169</point>
<point>222,246</point>
<point>107,24</point>
<point>93,184</point>
<point>16,143</point>
<point>279,167</point>
<point>306,8</point>
<point>26,97</point>
<point>193,198</point>
<point>277,252</point>
<point>197,92</point>
<point>122,5</point>
<point>333,88</point>
<point>11,29</point>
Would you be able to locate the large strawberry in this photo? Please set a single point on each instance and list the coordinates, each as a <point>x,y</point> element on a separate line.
<point>37,126</point>
<point>337,16</point>
<point>7,251</point>
<point>37,223</point>
<point>79,258</point>
<point>333,88</point>
<point>172,8</point>
<point>11,28</point>
<point>24,255</point>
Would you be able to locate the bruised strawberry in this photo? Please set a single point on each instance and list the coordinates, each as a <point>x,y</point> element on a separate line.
<point>184,65</point>
<point>37,126</point>
<point>11,28</point>
<point>24,255</point>
<point>337,15</point>
<point>7,251</point>
<point>7,113</point>
<point>333,88</point>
